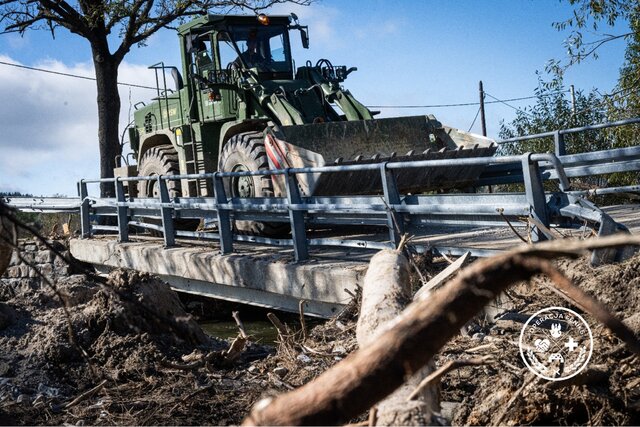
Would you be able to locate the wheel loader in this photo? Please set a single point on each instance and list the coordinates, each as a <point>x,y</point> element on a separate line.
<point>241,104</point>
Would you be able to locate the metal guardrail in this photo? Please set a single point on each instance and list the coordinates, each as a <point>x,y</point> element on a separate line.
<point>560,148</point>
<point>575,166</point>
<point>395,211</point>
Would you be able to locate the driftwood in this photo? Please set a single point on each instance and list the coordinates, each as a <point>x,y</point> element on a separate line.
<point>441,277</point>
<point>239,343</point>
<point>370,374</point>
<point>385,294</point>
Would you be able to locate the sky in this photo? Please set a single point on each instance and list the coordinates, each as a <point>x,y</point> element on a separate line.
<point>425,53</point>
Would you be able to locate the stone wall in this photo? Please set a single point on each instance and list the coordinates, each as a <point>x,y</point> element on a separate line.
<point>39,256</point>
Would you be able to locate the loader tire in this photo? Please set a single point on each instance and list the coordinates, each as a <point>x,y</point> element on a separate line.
<point>162,160</point>
<point>246,152</point>
<point>159,160</point>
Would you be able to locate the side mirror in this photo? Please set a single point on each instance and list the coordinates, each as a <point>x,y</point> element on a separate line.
<point>195,44</point>
<point>304,35</point>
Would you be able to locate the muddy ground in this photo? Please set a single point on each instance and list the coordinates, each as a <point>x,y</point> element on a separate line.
<point>125,351</point>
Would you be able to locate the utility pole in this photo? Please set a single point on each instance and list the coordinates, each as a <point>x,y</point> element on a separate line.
<point>483,121</point>
<point>573,100</point>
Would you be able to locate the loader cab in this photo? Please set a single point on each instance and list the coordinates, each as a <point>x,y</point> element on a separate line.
<point>218,45</point>
<point>262,48</point>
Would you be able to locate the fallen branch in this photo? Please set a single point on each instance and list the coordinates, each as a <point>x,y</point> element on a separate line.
<point>303,326</point>
<point>282,330</point>
<point>446,368</point>
<point>86,395</point>
<point>386,291</point>
<point>441,277</point>
<point>369,374</point>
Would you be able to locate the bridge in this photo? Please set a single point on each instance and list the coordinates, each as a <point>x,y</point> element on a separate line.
<point>332,239</point>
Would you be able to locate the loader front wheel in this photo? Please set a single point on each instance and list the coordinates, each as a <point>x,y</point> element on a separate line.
<point>159,160</point>
<point>246,152</point>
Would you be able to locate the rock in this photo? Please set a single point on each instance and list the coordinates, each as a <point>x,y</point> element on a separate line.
<point>5,369</point>
<point>478,336</point>
<point>303,358</point>
<point>45,257</point>
<point>281,371</point>
<point>339,350</point>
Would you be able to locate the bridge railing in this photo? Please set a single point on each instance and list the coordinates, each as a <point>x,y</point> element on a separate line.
<point>559,143</point>
<point>391,209</point>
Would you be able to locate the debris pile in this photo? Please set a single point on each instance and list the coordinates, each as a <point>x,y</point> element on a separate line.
<point>84,349</point>
<point>108,333</point>
<point>505,391</point>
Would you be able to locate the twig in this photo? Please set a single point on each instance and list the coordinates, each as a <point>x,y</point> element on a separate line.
<point>282,330</point>
<point>532,377</point>
<point>302,323</point>
<point>404,240</point>
<point>446,368</point>
<point>546,230</point>
<point>86,395</point>
<point>236,317</point>
<point>502,215</point>
<point>449,260</point>
<point>235,349</point>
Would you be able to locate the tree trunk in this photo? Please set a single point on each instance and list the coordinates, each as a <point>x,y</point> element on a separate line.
<point>106,67</point>
<point>385,294</point>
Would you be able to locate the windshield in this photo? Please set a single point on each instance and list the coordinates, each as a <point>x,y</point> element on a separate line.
<point>263,47</point>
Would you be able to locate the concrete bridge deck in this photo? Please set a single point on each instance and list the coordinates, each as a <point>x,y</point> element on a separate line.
<point>258,275</point>
<point>269,276</point>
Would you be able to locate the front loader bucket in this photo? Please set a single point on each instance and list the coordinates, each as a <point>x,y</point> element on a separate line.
<point>374,141</point>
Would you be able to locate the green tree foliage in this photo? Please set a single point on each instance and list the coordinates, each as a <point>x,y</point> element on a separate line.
<point>625,101</point>
<point>589,16</point>
<point>553,110</point>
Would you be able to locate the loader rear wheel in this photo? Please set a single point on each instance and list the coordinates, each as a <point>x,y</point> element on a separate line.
<point>246,152</point>
<point>162,160</point>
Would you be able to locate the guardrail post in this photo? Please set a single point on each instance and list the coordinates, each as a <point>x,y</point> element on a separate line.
<point>534,190</point>
<point>296,218</point>
<point>122,211</point>
<point>167,214</point>
<point>224,222</point>
<point>558,142</point>
<point>85,223</point>
<point>395,220</point>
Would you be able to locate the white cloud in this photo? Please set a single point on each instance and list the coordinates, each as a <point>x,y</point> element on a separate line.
<point>323,22</point>
<point>49,124</point>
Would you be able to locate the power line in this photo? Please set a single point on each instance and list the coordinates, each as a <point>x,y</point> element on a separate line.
<point>468,104</point>
<point>505,102</point>
<point>474,119</point>
<point>59,73</point>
